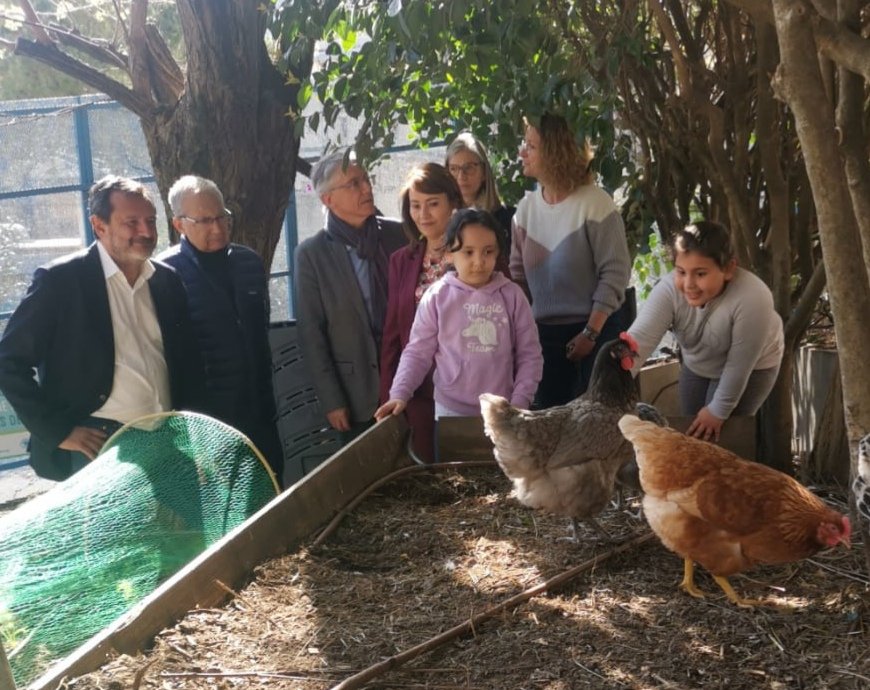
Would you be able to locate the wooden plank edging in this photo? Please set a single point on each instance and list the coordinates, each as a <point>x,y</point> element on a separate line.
<point>272,531</point>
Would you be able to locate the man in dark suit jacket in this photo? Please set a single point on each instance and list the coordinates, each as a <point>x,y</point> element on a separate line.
<point>107,333</point>
<point>228,295</point>
<point>341,293</point>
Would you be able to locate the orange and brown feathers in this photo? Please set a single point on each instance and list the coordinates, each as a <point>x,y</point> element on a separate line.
<point>726,513</point>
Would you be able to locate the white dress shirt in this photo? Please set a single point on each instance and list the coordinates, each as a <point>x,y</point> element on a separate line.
<point>141,383</point>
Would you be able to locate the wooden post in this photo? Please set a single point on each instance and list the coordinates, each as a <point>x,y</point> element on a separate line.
<point>7,682</point>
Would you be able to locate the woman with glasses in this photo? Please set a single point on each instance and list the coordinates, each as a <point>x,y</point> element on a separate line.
<point>429,197</point>
<point>468,162</point>
<point>570,252</point>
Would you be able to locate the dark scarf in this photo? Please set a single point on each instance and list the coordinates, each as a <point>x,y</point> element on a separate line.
<point>369,247</point>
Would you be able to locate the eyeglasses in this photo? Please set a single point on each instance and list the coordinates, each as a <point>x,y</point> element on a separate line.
<point>354,184</point>
<point>224,220</point>
<point>465,169</point>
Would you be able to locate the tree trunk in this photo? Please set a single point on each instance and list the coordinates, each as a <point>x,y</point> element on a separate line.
<point>254,168</point>
<point>850,123</point>
<point>829,458</point>
<point>231,117</point>
<point>231,123</point>
<point>801,85</point>
<point>775,420</point>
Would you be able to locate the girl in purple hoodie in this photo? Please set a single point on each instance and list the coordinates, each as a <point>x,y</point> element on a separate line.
<point>475,324</point>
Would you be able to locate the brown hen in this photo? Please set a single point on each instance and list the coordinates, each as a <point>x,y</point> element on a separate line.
<point>565,459</point>
<point>728,514</point>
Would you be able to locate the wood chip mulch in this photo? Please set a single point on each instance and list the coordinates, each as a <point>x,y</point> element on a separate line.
<point>426,553</point>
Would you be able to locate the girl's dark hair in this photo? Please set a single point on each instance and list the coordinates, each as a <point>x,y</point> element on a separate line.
<point>428,178</point>
<point>474,216</point>
<point>707,238</point>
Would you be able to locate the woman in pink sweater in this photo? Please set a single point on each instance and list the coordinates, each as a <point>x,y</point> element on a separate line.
<point>475,325</point>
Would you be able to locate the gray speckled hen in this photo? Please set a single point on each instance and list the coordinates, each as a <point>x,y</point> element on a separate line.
<point>565,459</point>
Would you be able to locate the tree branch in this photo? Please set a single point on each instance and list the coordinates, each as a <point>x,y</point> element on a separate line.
<point>116,4</point>
<point>759,10</point>
<point>834,41</point>
<point>361,678</point>
<point>803,311</point>
<point>681,25</point>
<point>826,8</point>
<point>843,46</point>
<point>167,79</point>
<point>853,135</point>
<point>138,47</point>
<point>770,149</point>
<point>89,46</point>
<point>56,59</point>
<point>684,78</point>
<point>39,32</point>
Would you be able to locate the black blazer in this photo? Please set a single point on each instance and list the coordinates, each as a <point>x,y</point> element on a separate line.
<point>62,331</point>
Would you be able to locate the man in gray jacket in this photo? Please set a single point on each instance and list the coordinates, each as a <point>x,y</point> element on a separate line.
<point>341,293</point>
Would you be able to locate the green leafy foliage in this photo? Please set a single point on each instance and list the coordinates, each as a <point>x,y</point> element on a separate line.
<point>445,66</point>
<point>651,265</point>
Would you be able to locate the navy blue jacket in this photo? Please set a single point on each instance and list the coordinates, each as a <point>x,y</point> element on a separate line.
<point>231,323</point>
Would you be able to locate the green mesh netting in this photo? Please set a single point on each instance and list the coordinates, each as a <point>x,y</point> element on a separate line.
<point>73,559</point>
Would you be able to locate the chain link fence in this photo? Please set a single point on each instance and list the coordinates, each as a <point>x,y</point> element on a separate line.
<point>54,149</point>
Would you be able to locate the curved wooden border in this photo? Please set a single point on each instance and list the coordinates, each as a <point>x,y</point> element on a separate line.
<point>295,515</point>
<point>272,531</point>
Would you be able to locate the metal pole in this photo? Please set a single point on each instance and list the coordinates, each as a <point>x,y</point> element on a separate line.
<point>86,166</point>
<point>291,239</point>
<point>7,682</point>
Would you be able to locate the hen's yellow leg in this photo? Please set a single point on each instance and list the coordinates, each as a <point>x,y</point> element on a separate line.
<point>735,597</point>
<point>688,582</point>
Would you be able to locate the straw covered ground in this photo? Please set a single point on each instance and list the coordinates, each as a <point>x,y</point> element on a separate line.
<point>427,553</point>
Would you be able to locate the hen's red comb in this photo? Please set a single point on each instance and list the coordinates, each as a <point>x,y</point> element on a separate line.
<point>632,343</point>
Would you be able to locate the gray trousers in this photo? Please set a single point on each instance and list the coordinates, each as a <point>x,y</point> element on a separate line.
<point>697,392</point>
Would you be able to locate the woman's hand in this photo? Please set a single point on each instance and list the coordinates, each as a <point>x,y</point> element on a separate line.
<point>391,407</point>
<point>578,347</point>
<point>706,425</point>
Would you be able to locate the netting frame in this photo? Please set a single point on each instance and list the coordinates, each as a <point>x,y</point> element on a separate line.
<point>148,418</point>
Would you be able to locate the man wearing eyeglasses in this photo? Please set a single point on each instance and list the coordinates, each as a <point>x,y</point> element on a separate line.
<point>228,296</point>
<point>107,333</point>
<point>341,293</point>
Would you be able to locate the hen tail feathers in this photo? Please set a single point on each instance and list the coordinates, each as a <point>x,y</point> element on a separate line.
<point>495,410</point>
<point>635,429</point>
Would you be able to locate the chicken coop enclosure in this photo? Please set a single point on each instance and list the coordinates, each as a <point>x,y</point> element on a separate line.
<point>271,604</point>
<point>291,519</point>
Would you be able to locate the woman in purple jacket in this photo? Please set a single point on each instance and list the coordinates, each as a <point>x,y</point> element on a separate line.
<point>429,198</point>
<point>475,325</point>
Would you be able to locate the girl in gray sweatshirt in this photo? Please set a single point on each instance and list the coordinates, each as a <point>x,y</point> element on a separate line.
<point>722,316</point>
